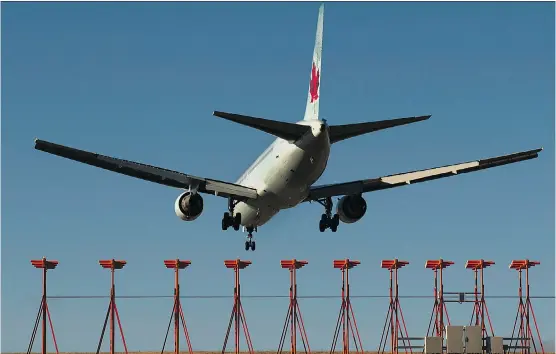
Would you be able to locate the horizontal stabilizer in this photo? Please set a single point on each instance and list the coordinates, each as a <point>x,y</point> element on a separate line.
<point>341,132</point>
<point>287,131</point>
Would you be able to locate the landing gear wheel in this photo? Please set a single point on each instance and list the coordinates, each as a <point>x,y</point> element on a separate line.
<point>230,218</point>
<point>237,221</point>
<point>327,220</point>
<point>323,223</point>
<point>250,243</point>
<point>334,223</point>
<point>225,221</point>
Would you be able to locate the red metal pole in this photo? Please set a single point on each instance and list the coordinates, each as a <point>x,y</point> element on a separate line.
<point>483,303</point>
<point>344,319</point>
<point>397,323</point>
<point>441,302</point>
<point>294,314</point>
<point>439,307</point>
<point>436,294</point>
<point>392,341</point>
<point>238,304</point>
<point>343,312</point>
<point>44,310</point>
<point>44,264</point>
<point>394,310</point>
<point>52,329</point>
<point>521,305</point>
<point>176,313</point>
<point>480,306</point>
<point>238,316</point>
<point>186,332</point>
<point>527,303</point>
<point>346,313</point>
<point>525,310</point>
<point>176,265</point>
<point>113,265</point>
<point>293,297</point>
<point>121,329</point>
<point>520,311</point>
<point>112,300</point>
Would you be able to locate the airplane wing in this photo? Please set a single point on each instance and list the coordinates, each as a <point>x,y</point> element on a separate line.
<point>402,179</point>
<point>149,173</point>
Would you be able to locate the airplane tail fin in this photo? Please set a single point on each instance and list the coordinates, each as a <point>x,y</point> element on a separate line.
<point>313,96</point>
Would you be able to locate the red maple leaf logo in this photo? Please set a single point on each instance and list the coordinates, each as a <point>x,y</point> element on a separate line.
<point>314,84</point>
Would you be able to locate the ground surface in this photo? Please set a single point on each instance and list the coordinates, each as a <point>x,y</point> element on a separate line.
<point>300,351</point>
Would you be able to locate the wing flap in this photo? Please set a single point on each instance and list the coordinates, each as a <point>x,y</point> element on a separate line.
<point>401,179</point>
<point>229,189</point>
<point>148,172</point>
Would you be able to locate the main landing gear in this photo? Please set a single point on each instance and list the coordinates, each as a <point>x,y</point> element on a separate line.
<point>327,220</point>
<point>229,218</point>
<point>234,220</point>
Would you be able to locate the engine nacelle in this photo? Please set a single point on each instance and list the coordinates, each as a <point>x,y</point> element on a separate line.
<point>188,206</point>
<point>351,208</point>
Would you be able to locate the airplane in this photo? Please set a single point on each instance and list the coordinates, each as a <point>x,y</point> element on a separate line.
<point>283,176</point>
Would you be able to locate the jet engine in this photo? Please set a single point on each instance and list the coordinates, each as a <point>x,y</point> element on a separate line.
<point>351,208</point>
<point>188,206</point>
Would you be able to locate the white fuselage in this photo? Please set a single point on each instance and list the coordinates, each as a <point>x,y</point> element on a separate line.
<point>283,174</point>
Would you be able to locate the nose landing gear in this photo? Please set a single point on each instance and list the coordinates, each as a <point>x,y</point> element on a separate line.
<point>327,220</point>
<point>250,243</point>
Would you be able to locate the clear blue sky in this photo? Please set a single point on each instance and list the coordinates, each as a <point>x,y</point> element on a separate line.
<point>139,81</point>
